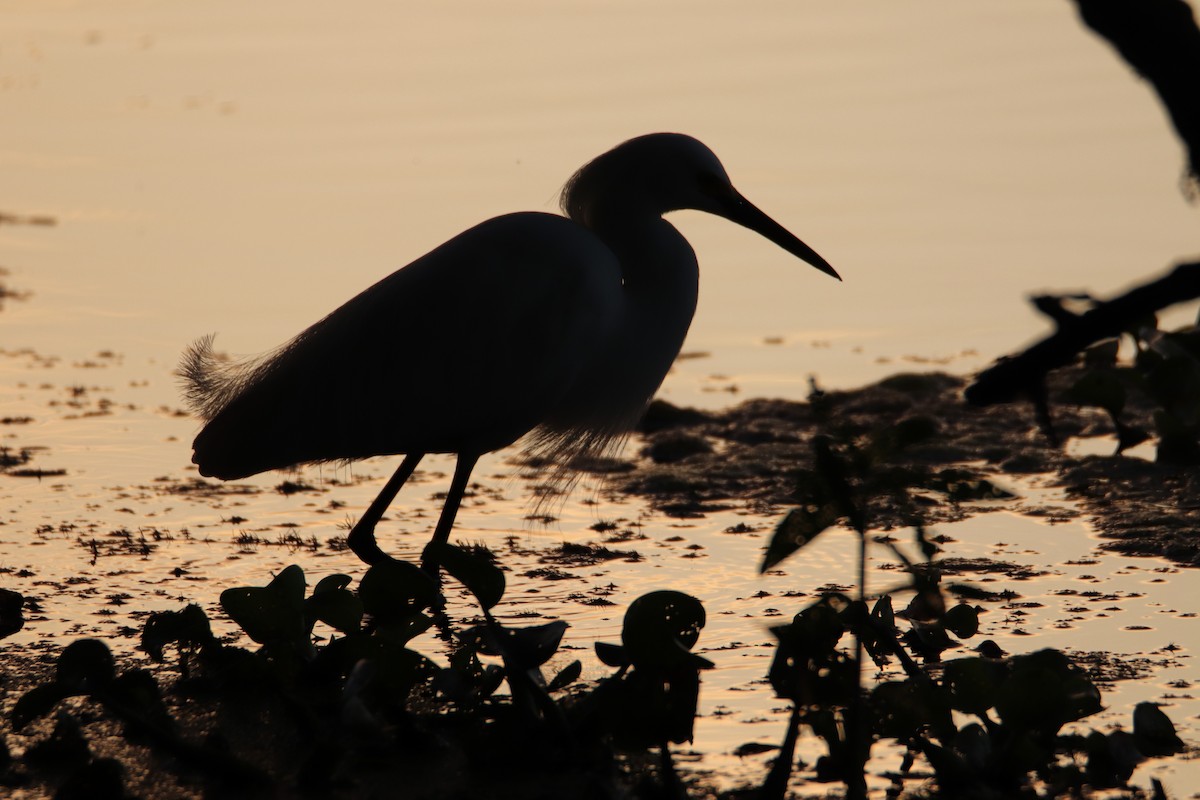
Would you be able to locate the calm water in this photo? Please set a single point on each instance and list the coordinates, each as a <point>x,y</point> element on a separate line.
<point>243,170</point>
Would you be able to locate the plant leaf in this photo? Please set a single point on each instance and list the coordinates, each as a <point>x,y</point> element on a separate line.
<point>266,615</point>
<point>962,620</point>
<point>331,583</point>
<point>796,530</point>
<point>289,584</point>
<point>660,630</point>
<point>85,665</point>
<point>188,626</point>
<point>482,577</point>
<point>339,608</point>
<point>566,676</point>
<point>394,590</point>
<point>612,655</point>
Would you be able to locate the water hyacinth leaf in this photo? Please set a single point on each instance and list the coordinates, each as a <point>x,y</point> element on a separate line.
<point>660,629</point>
<point>927,603</point>
<point>188,627</point>
<point>928,638</point>
<point>974,744</point>
<point>815,631</point>
<point>646,707</point>
<point>289,584</point>
<point>12,616</point>
<point>273,613</point>
<point>1111,759</point>
<point>85,665</point>
<point>1100,389</point>
<point>612,655</point>
<point>962,620</point>
<point>521,648</point>
<point>974,683</point>
<point>533,646</point>
<point>799,528</point>
<point>338,608</point>
<point>566,676</point>
<point>1153,731</point>
<point>481,576</point>
<point>397,669</point>
<point>332,583</point>
<point>905,706</point>
<point>266,615</point>
<point>393,590</point>
<point>406,628</point>
<point>400,669</point>
<point>1044,691</point>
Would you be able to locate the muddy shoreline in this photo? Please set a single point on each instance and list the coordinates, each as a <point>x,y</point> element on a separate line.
<point>695,461</point>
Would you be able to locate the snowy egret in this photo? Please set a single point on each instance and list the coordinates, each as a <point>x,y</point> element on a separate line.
<point>557,329</point>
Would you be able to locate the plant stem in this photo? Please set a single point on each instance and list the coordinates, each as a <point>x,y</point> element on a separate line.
<point>857,732</point>
<point>776,784</point>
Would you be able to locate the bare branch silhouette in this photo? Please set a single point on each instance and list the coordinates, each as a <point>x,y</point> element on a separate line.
<point>1160,40</point>
<point>1023,375</point>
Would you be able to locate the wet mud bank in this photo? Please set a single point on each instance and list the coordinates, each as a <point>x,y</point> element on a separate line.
<point>695,462</point>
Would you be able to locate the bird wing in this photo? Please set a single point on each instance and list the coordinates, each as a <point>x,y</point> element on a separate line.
<point>464,350</point>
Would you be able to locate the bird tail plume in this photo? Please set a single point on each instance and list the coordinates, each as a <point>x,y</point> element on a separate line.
<point>210,380</point>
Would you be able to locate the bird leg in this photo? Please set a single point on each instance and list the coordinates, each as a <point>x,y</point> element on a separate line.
<point>361,539</point>
<point>458,487</point>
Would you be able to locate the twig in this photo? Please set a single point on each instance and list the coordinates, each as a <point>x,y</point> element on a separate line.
<point>1160,40</point>
<point>1023,374</point>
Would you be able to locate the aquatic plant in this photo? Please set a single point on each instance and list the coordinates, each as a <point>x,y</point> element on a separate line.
<point>1015,745</point>
<point>345,713</point>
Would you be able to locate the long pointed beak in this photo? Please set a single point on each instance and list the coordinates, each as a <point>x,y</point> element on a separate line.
<point>745,213</point>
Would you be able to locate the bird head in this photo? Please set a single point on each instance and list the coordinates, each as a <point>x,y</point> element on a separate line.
<point>663,172</point>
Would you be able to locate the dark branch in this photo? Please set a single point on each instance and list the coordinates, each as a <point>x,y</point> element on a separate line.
<point>1160,40</point>
<point>1023,375</point>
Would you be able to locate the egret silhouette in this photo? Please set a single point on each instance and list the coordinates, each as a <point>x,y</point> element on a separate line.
<point>557,329</point>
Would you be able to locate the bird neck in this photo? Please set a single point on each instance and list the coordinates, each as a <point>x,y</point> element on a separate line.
<point>657,300</point>
<point>660,280</point>
<point>657,263</point>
